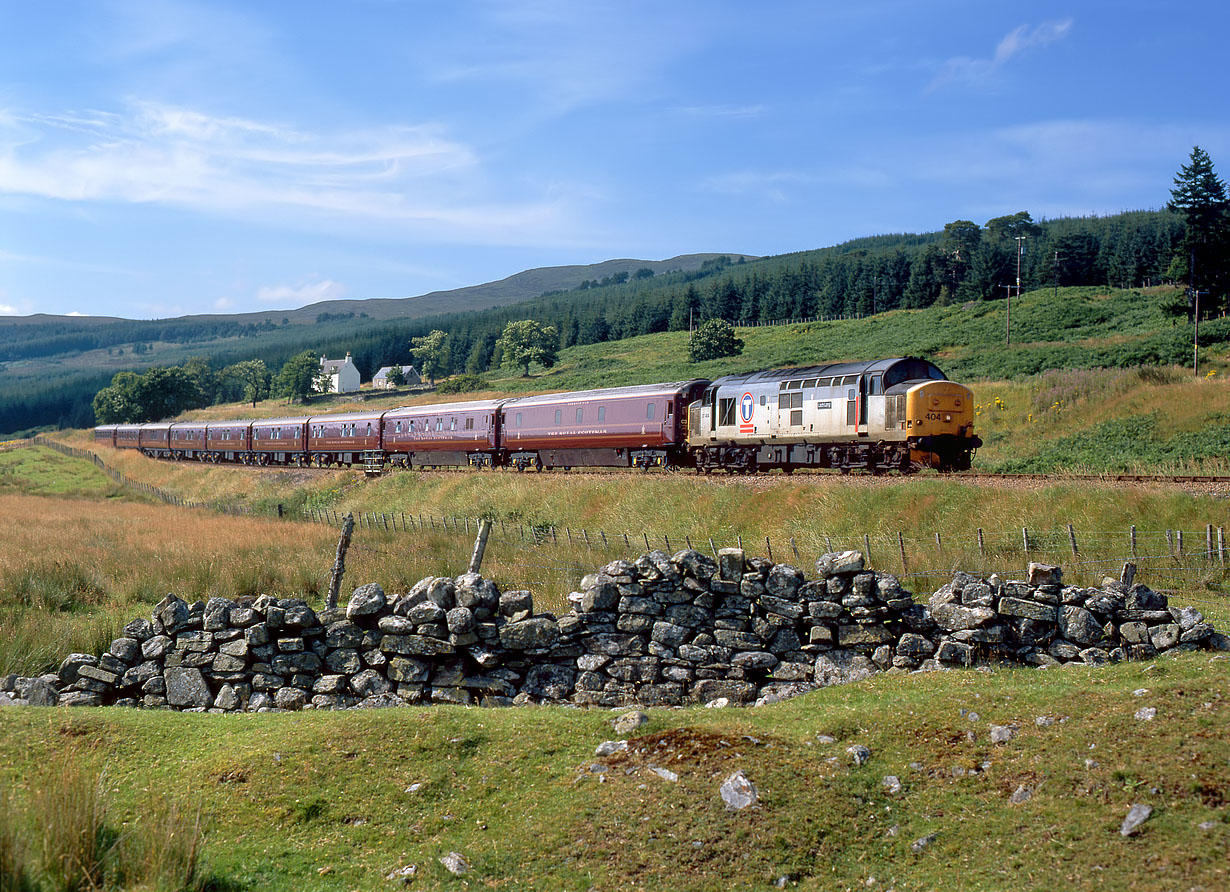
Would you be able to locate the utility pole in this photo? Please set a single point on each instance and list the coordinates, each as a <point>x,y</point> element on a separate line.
<point>1196,336</point>
<point>875,280</point>
<point>1020,249</point>
<point>1055,273</point>
<point>1008,320</point>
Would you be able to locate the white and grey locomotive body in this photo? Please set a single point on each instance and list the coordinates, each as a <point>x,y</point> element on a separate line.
<point>891,414</point>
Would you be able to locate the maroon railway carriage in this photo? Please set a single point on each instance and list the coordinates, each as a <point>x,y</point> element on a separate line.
<point>280,441</point>
<point>187,441</point>
<point>104,435</point>
<point>621,427</point>
<point>155,440</point>
<point>228,440</point>
<point>344,439</point>
<point>127,436</point>
<point>444,434</point>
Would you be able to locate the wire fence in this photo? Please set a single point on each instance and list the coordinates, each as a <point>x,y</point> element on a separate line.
<point>1194,561</point>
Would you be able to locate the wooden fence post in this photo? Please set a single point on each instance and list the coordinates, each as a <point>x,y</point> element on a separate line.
<point>1132,538</point>
<point>867,547</point>
<point>768,547</point>
<point>480,545</point>
<point>1025,539</point>
<point>1072,540</point>
<point>339,562</point>
<point>905,567</point>
<point>1208,542</point>
<point>1221,546</point>
<point>982,545</point>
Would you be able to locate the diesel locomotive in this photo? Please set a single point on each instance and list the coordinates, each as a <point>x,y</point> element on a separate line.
<point>898,414</point>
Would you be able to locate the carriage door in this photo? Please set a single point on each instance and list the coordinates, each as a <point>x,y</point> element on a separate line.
<point>862,405</point>
<point>850,386</point>
<point>876,409</point>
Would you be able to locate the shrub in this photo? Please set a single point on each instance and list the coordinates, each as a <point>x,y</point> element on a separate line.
<point>462,384</point>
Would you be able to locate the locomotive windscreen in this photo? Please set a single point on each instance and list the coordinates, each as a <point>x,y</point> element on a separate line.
<point>912,370</point>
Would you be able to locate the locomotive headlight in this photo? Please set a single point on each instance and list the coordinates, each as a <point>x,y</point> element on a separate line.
<point>948,418</point>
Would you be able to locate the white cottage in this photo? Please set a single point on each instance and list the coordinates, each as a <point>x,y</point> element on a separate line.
<point>381,379</point>
<point>342,375</point>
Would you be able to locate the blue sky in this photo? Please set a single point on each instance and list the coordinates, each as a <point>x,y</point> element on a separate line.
<point>164,158</point>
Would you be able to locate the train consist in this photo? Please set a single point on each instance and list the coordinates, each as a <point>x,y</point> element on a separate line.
<point>891,414</point>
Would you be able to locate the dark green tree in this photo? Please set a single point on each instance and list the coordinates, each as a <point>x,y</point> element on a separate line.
<point>713,340</point>
<point>251,377</point>
<point>396,376</point>
<point>300,377</point>
<point>1199,194</point>
<point>527,341</point>
<point>430,354</point>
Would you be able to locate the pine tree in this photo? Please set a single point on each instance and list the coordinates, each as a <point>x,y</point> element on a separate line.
<point>1199,194</point>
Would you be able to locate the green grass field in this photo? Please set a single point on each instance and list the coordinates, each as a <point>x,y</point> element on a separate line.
<point>336,801</point>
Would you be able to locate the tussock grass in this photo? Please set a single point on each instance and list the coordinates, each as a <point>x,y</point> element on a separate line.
<point>62,836</point>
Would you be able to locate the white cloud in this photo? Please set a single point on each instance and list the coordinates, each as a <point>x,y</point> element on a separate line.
<point>9,310</point>
<point>224,303</point>
<point>75,313</point>
<point>413,177</point>
<point>302,295</point>
<point>973,72</point>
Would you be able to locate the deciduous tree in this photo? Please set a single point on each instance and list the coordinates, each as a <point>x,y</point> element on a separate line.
<point>430,354</point>
<point>713,340</point>
<point>526,341</point>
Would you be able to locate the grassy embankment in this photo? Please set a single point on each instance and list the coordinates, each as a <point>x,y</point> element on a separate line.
<point>77,568</point>
<point>335,801</point>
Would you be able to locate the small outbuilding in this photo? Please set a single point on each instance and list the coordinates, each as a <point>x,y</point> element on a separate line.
<point>381,379</point>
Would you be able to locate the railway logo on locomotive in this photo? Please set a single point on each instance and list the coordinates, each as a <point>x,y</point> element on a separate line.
<point>747,405</point>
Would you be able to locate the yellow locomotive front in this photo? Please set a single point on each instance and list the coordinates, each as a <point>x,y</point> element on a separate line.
<point>939,425</point>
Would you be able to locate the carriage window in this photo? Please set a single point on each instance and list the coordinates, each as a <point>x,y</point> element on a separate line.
<point>649,411</point>
<point>602,413</point>
<point>469,424</point>
<point>452,425</point>
<point>726,411</point>
<point>397,428</point>
<point>518,419</point>
<point>670,408</point>
<point>410,427</point>
<point>369,428</point>
<point>580,414</point>
<point>559,415</point>
<point>439,424</point>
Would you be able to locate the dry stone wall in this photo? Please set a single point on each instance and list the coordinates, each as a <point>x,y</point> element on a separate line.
<point>661,630</point>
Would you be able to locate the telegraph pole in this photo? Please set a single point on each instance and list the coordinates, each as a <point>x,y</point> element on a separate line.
<point>1008,320</point>
<point>1055,271</point>
<point>1196,337</point>
<point>1020,249</point>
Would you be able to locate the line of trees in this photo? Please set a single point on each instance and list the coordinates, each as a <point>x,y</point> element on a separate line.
<point>166,391</point>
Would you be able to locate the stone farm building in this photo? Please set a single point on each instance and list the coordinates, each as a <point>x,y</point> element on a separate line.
<point>342,374</point>
<point>381,379</point>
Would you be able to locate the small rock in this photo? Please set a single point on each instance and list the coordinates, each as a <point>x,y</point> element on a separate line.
<point>858,753</point>
<point>455,864</point>
<point>1021,794</point>
<point>922,842</point>
<point>738,792</point>
<point>666,774</point>
<point>629,721</point>
<point>892,784</point>
<point>972,716</point>
<point>1044,721</point>
<point>414,787</point>
<point>1146,713</point>
<point>719,703</point>
<point>1001,733</point>
<point>611,747</point>
<point>403,874</point>
<point>1136,816</point>
<point>1090,764</point>
<point>1207,825</point>
<point>1140,692</point>
<point>824,738</point>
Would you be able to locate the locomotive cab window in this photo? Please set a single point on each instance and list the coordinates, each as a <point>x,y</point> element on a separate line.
<point>877,385</point>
